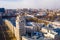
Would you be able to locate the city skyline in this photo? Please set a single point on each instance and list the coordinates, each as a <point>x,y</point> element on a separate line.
<point>14,4</point>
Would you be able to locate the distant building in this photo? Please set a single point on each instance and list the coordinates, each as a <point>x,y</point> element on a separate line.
<point>57,37</point>
<point>41,14</point>
<point>2,10</point>
<point>34,36</point>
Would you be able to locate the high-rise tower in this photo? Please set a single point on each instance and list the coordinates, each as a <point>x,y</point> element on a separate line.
<point>20,29</point>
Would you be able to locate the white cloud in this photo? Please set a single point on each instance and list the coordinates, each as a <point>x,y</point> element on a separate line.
<point>31,4</point>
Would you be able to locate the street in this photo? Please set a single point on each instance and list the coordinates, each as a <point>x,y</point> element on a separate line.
<point>6,34</point>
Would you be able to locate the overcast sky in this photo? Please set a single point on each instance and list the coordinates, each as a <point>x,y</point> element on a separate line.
<point>48,4</point>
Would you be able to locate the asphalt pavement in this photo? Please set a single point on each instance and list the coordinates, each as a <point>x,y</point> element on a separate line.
<point>6,34</point>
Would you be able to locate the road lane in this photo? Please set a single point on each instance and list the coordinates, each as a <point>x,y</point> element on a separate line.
<point>6,34</point>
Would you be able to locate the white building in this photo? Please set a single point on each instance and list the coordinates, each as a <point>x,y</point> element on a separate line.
<point>34,38</point>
